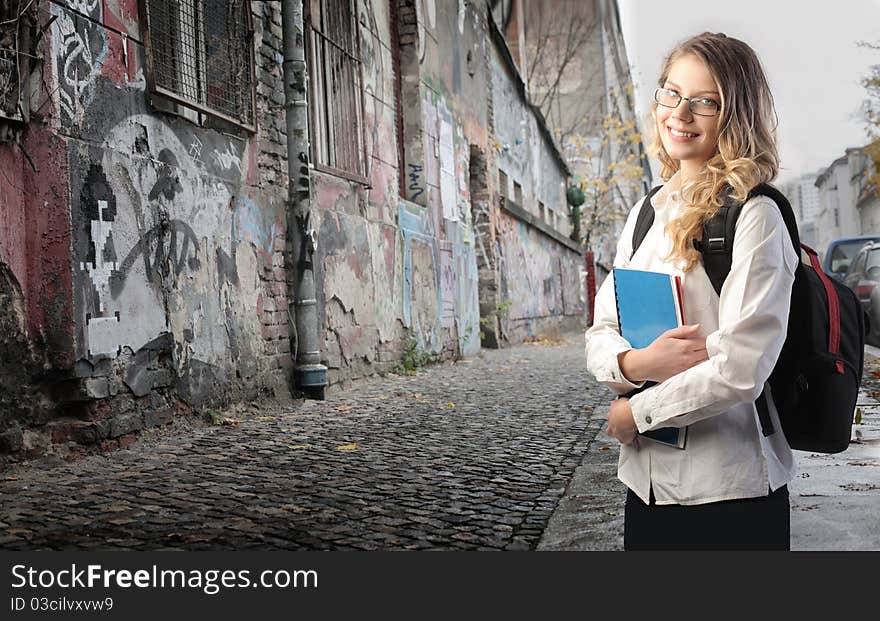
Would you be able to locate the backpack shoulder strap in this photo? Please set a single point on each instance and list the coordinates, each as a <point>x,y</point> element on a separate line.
<point>716,245</point>
<point>644,221</point>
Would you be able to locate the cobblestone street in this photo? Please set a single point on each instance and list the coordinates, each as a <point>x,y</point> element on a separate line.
<point>474,455</point>
<point>500,452</point>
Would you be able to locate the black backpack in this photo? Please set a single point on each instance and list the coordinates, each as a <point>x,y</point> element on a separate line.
<point>815,382</point>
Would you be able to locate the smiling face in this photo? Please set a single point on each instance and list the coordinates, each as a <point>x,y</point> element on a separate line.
<point>687,137</point>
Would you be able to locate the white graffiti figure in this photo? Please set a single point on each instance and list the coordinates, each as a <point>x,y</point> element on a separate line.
<point>101,270</point>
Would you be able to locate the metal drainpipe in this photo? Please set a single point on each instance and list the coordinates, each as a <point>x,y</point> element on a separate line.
<point>302,311</point>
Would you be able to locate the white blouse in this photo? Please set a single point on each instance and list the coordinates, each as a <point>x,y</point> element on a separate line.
<point>726,455</point>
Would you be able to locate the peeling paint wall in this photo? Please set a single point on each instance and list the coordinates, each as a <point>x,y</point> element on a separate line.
<point>153,271</point>
<point>397,257</point>
<point>170,232</point>
<point>538,267</point>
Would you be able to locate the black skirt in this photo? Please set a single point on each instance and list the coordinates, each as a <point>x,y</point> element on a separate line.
<point>744,524</point>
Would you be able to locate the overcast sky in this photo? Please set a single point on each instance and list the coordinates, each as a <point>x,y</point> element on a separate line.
<point>808,50</point>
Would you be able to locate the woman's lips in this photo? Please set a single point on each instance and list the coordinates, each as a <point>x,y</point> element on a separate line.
<point>681,136</point>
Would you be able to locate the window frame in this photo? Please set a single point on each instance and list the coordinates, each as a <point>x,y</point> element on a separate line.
<point>154,89</point>
<point>308,37</point>
<point>517,193</point>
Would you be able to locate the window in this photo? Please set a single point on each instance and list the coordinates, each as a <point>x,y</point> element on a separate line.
<point>517,193</point>
<point>502,183</point>
<point>200,55</point>
<point>843,254</point>
<point>873,262</point>
<point>541,211</point>
<point>336,88</point>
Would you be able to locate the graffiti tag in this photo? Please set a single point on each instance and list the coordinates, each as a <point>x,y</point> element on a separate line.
<point>415,182</point>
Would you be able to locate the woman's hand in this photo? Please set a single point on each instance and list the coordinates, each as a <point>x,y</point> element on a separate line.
<point>621,424</point>
<point>671,353</point>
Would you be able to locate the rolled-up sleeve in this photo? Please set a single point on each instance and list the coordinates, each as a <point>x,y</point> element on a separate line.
<point>752,322</point>
<point>603,340</point>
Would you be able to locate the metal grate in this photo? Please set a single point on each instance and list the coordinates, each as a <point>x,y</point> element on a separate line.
<point>201,55</point>
<point>337,102</point>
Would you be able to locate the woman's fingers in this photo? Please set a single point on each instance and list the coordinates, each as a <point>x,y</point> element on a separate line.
<point>682,332</point>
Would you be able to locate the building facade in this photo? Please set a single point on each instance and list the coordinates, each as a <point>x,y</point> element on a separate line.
<point>579,72</point>
<point>143,224</point>
<point>839,214</point>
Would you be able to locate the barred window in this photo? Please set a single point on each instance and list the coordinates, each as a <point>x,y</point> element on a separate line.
<point>336,80</point>
<point>200,54</point>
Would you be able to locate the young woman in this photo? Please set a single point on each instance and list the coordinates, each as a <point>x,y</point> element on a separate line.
<point>714,132</point>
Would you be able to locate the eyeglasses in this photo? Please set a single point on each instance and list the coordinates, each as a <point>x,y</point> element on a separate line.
<point>700,106</point>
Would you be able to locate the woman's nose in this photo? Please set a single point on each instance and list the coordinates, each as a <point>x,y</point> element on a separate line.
<point>682,112</point>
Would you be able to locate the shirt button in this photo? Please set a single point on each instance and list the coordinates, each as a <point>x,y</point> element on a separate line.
<point>648,419</point>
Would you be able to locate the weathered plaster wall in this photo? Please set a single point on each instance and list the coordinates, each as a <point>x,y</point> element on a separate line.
<point>453,87</point>
<point>172,232</point>
<point>153,271</point>
<point>539,277</point>
<point>397,266</point>
<point>523,152</point>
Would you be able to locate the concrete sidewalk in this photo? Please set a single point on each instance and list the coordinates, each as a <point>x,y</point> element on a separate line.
<point>835,499</point>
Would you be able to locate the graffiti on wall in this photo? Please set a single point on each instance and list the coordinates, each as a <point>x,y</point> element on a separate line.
<point>530,270</point>
<point>539,276</point>
<point>465,290</point>
<point>440,283</point>
<point>447,162</point>
<point>447,285</point>
<point>86,7</point>
<point>80,49</point>
<point>426,17</point>
<point>99,212</point>
<point>161,245</point>
<point>421,287</point>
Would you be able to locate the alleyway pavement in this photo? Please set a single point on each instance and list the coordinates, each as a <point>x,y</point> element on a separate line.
<point>474,455</point>
<point>501,452</point>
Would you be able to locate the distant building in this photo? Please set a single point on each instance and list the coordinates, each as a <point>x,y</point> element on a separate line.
<point>844,208</point>
<point>803,195</point>
<point>867,199</point>
<point>808,197</point>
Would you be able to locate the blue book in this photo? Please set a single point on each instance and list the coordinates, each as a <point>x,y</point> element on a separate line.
<point>649,304</point>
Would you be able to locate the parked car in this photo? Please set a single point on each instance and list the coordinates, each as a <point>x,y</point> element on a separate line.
<point>841,252</point>
<point>863,277</point>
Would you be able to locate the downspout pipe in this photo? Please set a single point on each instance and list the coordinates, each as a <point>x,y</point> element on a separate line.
<point>310,375</point>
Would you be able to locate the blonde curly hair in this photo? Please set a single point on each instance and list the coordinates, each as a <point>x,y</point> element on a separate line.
<point>747,153</point>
